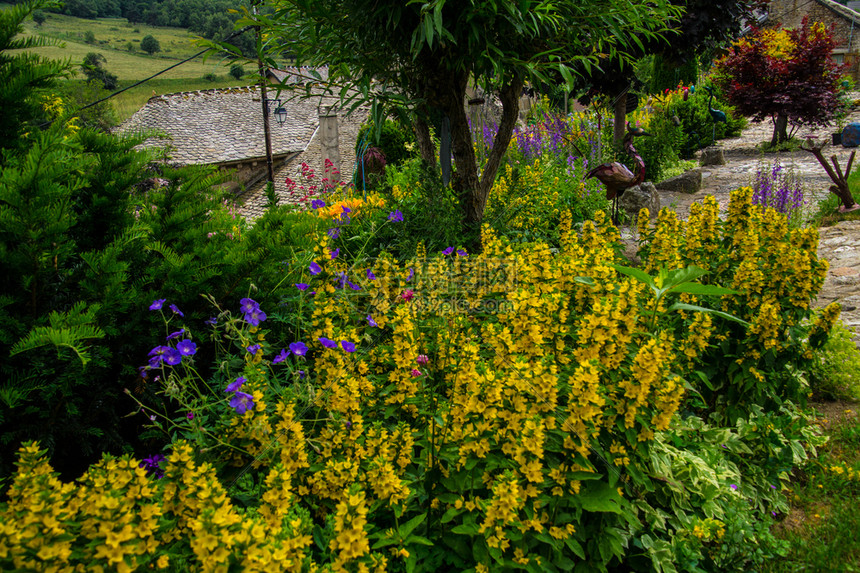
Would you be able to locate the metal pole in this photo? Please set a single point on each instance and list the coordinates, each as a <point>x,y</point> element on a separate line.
<point>265,100</point>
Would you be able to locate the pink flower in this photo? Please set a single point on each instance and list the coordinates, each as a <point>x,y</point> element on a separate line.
<point>422,359</point>
<point>416,373</point>
<point>407,295</point>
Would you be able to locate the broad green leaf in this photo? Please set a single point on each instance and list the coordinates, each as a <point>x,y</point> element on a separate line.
<point>406,529</point>
<point>600,497</point>
<point>637,274</point>
<point>693,307</point>
<point>696,288</point>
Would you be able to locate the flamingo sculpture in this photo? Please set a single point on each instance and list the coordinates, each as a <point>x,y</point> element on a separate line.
<point>716,114</point>
<point>616,176</point>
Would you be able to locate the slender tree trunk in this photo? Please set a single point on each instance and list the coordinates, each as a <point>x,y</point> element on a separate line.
<point>780,130</point>
<point>620,127</point>
<point>473,189</point>
<point>426,148</point>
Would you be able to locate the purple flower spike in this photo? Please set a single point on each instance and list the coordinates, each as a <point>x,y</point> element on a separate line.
<point>347,345</point>
<point>327,342</point>
<point>157,304</point>
<point>281,357</point>
<point>298,348</point>
<point>302,286</point>
<point>247,305</point>
<point>370,275</point>
<point>234,386</point>
<point>176,334</point>
<point>315,268</point>
<point>448,251</point>
<point>176,310</point>
<point>371,322</point>
<point>186,348</point>
<point>242,402</point>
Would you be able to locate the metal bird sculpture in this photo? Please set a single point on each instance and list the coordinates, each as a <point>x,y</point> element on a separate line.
<point>616,176</point>
<point>716,114</point>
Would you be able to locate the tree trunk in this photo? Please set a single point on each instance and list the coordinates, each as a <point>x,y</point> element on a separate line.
<point>780,130</point>
<point>619,129</point>
<point>472,190</point>
<point>426,148</point>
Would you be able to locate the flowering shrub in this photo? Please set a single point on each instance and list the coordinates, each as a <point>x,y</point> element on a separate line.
<point>452,410</point>
<point>776,272</point>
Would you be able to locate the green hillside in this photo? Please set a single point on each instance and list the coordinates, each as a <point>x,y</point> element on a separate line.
<point>113,37</point>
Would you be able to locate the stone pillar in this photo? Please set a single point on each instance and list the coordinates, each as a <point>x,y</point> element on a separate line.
<point>329,138</point>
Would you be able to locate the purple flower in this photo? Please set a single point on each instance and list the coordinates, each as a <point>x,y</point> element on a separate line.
<point>734,486</point>
<point>395,216</point>
<point>186,348</point>
<point>253,349</point>
<point>234,386</point>
<point>212,321</point>
<point>327,342</point>
<point>247,305</point>
<point>302,286</point>
<point>172,357</point>
<point>242,402</point>
<point>317,204</point>
<point>370,275</point>
<point>255,317</point>
<point>150,464</point>
<point>353,286</point>
<point>301,374</point>
<point>315,268</point>
<point>422,359</point>
<point>448,251</point>
<point>461,253</point>
<point>281,357</point>
<point>176,310</point>
<point>334,232</point>
<point>411,274</point>
<point>340,279</point>
<point>347,345</point>
<point>190,415</point>
<point>371,322</point>
<point>346,209</point>
<point>335,253</point>
<point>298,348</point>
<point>157,304</point>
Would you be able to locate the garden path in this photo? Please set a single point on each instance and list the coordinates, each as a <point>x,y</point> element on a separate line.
<point>840,243</point>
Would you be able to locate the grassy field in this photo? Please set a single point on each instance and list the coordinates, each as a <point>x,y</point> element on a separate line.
<point>112,38</point>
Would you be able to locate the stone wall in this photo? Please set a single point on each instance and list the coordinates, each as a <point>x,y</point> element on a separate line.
<point>790,14</point>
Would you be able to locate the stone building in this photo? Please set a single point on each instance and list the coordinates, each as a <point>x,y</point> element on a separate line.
<point>846,21</point>
<point>224,128</point>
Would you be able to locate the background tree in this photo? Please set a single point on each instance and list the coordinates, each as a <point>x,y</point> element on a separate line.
<point>237,71</point>
<point>95,72</point>
<point>39,17</point>
<point>150,45</point>
<point>421,56</point>
<point>786,75</point>
<point>24,76</point>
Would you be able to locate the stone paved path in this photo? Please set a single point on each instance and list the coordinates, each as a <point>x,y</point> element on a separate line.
<point>840,244</point>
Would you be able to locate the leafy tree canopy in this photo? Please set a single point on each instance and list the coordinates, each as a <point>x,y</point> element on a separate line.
<point>421,56</point>
<point>786,75</point>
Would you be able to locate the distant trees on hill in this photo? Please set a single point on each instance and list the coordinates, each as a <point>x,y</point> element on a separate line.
<point>207,18</point>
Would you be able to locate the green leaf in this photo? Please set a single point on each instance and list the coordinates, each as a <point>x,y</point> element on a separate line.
<point>693,307</point>
<point>696,288</point>
<point>466,529</point>
<point>637,274</point>
<point>600,497</point>
<point>584,280</point>
<point>407,528</point>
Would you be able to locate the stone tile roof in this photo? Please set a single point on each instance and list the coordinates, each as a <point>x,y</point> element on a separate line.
<point>226,125</point>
